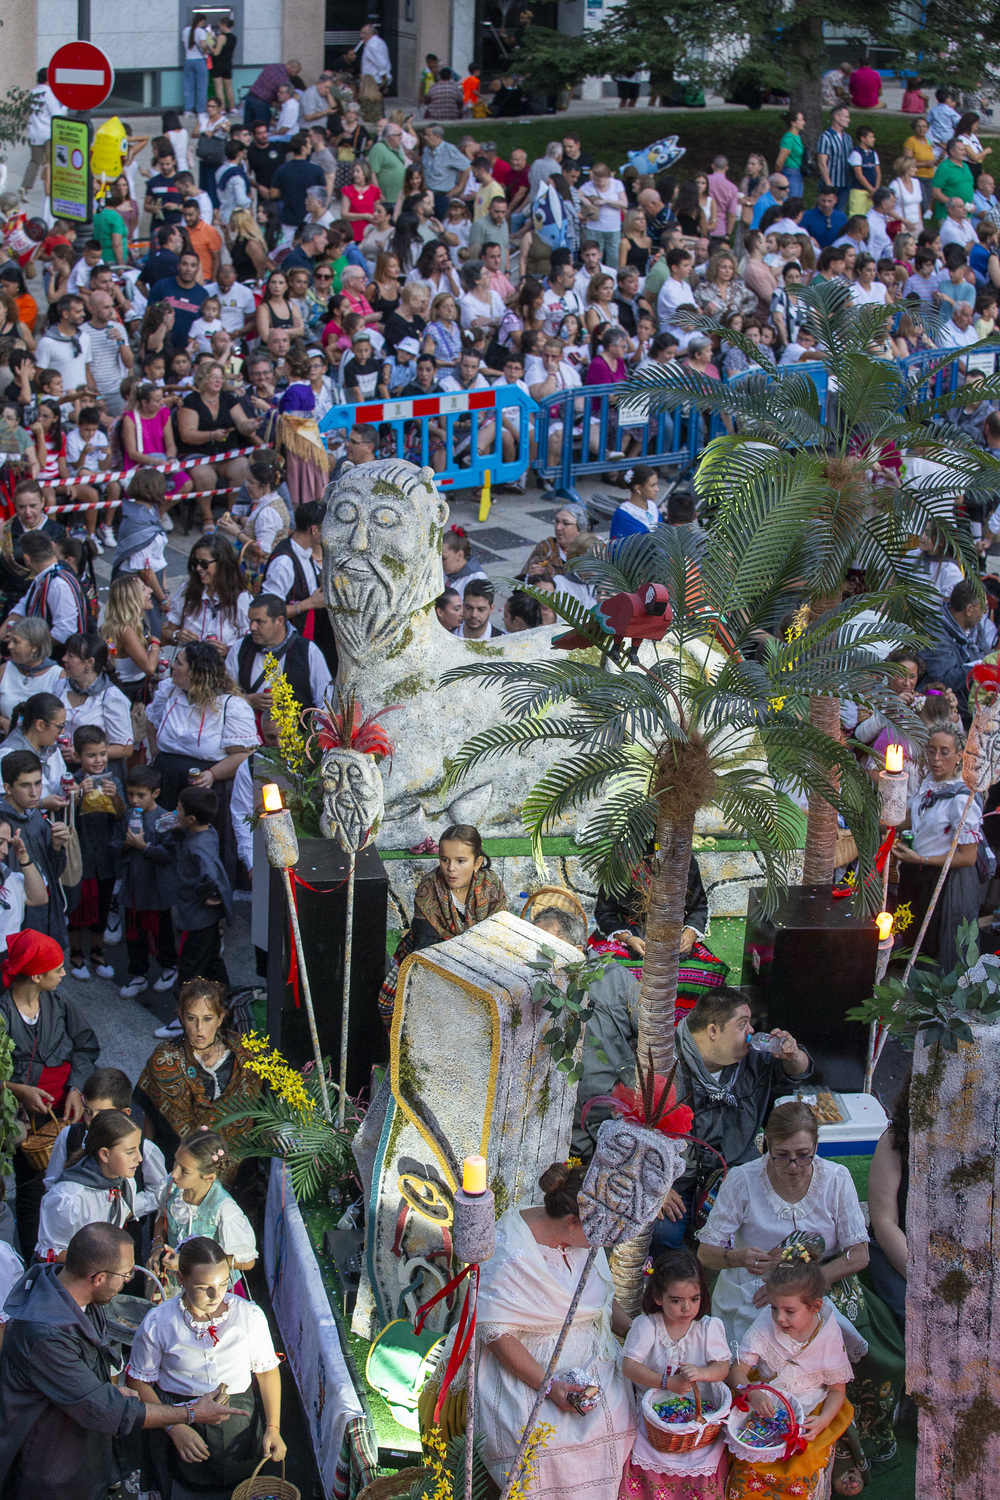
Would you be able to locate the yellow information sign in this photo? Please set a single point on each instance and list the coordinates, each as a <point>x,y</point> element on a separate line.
<point>70,148</point>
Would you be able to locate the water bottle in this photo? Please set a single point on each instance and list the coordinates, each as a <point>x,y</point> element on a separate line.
<point>135,820</point>
<point>761,1041</point>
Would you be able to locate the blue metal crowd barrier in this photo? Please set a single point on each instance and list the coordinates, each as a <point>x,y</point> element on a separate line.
<point>601,419</point>
<point>594,440</point>
<point>469,412</point>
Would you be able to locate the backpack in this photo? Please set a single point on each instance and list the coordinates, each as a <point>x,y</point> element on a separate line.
<point>808,167</point>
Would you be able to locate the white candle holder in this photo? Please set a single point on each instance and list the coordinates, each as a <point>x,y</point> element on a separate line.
<point>893,788</point>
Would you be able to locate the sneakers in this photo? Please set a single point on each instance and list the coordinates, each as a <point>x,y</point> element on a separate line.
<point>104,971</point>
<point>95,542</point>
<point>136,985</point>
<point>170,1031</point>
<point>166,981</point>
<point>107,535</point>
<point>79,972</point>
<point>113,930</point>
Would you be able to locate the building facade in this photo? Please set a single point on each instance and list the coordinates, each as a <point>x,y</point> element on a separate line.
<point>143,40</point>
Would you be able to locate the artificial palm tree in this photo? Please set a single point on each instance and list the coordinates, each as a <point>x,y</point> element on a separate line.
<point>813,472</point>
<point>719,715</point>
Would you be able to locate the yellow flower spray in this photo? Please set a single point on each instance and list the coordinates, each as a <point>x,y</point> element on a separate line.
<point>276,1072</point>
<point>286,713</point>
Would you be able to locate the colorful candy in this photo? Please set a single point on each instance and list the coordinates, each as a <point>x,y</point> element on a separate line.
<point>765,1432</point>
<point>674,1408</point>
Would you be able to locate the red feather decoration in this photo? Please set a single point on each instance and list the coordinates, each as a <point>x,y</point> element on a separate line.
<point>351,729</point>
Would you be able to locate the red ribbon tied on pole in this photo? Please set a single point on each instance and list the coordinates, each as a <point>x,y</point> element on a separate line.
<point>464,1333</point>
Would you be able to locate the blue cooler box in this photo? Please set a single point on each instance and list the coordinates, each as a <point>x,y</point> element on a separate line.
<point>857,1134</point>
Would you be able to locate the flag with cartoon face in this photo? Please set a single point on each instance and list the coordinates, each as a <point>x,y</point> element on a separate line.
<point>658,157</point>
<point>548,216</point>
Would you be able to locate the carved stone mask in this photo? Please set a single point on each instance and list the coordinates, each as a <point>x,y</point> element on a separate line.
<point>352,798</point>
<point>631,1173</point>
<point>381,552</point>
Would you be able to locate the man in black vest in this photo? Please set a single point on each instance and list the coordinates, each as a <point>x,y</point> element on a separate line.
<point>295,574</point>
<point>300,660</point>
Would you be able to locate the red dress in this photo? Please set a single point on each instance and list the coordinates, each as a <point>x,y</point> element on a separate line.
<point>362,201</point>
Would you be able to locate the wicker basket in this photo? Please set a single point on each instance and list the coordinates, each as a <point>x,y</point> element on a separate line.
<point>37,1144</point>
<point>684,1437</point>
<point>389,1486</point>
<point>553,895</point>
<point>746,1451</point>
<point>258,1485</point>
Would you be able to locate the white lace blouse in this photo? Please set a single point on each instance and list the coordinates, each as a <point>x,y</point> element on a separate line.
<point>805,1369</point>
<point>188,1357</point>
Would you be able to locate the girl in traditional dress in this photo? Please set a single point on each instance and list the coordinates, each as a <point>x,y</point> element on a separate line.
<point>462,891</point>
<point>186,1347</point>
<point>194,1203</point>
<point>96,1185</point>
<point>671,1344</point>
<point>795,1344</point>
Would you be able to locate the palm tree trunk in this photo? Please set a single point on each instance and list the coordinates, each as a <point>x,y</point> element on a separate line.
<point>810,53</point>
<point>821,827</point>
<point>657,1000</point>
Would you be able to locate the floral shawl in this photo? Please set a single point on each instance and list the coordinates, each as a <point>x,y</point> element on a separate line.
<point>172,1092</point>
<point>434,904</point>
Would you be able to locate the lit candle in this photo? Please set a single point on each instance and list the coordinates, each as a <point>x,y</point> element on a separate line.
<point>884,924</point>
<point>894,759</point>
<point>272,798</point>
<point>474,1176</point>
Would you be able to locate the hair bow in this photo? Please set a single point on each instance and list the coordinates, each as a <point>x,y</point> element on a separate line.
<point>458,530</point>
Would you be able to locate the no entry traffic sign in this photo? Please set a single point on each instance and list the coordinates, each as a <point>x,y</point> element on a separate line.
<point>81,75</point>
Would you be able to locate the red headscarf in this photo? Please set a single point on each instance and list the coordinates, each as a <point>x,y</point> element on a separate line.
<point>30,953</point>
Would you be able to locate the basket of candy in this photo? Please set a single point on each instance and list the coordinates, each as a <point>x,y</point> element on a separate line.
<point>758,1439</point>
<point>679,1423</point>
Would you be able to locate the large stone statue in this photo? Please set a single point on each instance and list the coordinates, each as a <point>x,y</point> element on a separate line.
<point>381,574</point>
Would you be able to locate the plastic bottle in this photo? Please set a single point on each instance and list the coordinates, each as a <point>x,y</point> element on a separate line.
<point>762,1041</point>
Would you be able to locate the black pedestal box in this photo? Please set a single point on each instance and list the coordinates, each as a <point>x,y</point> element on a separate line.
<point>809,964</point>
<point>322,915</point>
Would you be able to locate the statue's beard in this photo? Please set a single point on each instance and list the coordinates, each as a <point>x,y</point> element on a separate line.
<point>369,608</point>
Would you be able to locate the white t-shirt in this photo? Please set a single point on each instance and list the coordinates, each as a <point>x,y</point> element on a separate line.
<point>191,1357</point>
<point>57,353</point>
<point>182,728</point>
<point>860,296</point>
<point>583,277</point>
<point>610,217</point>
<point>201,332</point>
<point>179,140</point>
<point>957,232</point>
<point>288,117</point>
<point>555,306</point>
<point>97,446</point>
<point>470,307</point>
<point>450,383</point>
<point>672,295</point>
<point>46,105</point>
<point>235,306</point>
<point>911,204</point>
<point>194,50</point>
<point>208,621</point>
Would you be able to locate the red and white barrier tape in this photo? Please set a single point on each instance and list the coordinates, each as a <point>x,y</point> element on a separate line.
<point>114,504</point>
<point>170,466</point>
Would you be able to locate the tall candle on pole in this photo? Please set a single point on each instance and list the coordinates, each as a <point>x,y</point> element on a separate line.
<point>282,848</point>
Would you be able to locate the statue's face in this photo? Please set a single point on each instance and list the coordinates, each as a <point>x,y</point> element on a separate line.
<point>631,1172</point>
<point>352,798</point>
<point>381,551</point>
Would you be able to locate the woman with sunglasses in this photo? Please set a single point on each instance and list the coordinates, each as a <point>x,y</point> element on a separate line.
<point>318,297</point>
<point>215,606</point>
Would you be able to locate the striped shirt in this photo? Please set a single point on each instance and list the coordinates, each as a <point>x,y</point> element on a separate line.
<point>836,146</point>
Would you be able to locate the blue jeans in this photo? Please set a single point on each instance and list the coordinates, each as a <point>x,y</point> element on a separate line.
<point>843,193</point>
<point>668,1234</point>
<point>608,239</point>
<point>195,87</point>
<point>255,109</point>
<point>794,183</point>
<point>441,201</point>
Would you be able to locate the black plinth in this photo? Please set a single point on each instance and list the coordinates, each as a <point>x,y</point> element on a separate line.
<point>322,917</point>
<point>809,965</point>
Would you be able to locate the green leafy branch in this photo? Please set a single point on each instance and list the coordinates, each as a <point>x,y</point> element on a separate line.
<point>563,993</point>
<point>940,1007</point>
<point>318,1156</point>
<point>9,1130</point>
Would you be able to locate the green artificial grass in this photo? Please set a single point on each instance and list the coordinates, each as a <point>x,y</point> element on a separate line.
<point>554,848</point>
<point>702,132</point>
